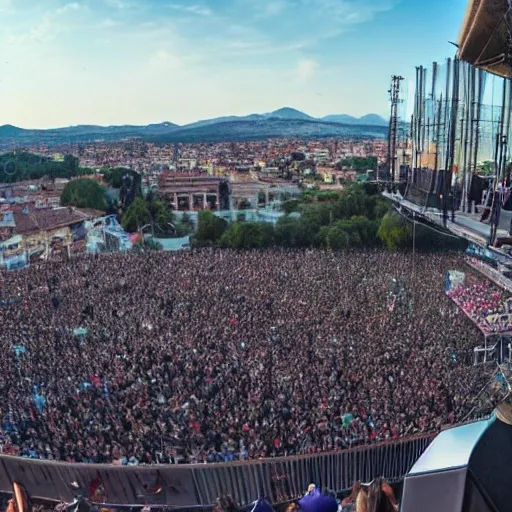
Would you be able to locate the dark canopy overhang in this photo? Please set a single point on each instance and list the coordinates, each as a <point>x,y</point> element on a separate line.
<point>483,40</point>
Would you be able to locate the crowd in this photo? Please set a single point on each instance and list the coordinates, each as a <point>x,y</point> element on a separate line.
<point>215,355</point>
<point>481,300</point>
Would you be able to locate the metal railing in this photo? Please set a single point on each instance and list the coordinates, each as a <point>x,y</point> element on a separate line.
<point>280,479</point>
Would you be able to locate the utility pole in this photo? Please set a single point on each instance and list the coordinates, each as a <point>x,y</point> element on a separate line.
<point>394,94</point>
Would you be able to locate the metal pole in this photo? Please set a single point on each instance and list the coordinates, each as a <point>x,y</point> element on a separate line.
<point>464,133</point>
<point>480,74</point>
<point>423,109</point>
<point>413,246</point>
<point>471,121</point>
<point>453,133</point>
<point>393,123</point>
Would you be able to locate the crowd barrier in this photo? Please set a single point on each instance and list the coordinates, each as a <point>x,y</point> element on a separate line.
<point>279,480</point>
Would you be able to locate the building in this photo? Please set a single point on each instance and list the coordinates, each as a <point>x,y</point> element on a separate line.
<point>194,191</point>
<point>321,155</point>
<point>32,234</point>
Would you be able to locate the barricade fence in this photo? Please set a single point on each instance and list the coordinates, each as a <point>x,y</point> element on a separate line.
<point>278,480</point>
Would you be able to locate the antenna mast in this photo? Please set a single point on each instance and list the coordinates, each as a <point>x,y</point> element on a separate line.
<point>394,94</point>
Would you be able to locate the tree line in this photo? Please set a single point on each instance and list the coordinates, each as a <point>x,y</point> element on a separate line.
<point>23,166</point>
<point>360,164</point>
<point>358,218</point>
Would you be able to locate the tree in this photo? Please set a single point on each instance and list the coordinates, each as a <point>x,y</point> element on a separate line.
<point>395,232</point>
<point>114,176</point>
<point>360,164</point>
<point>84,193</point>
<point>22,166</point>
<point>352,202</point>
<point>371,189</point>
<point>209,228</point>
<point>291,232</point>
<point>151,244</point>
<point>248,235</point>
<point>71,164</point>
<point>337,238</point>
<point>137,215</point>
<point>185,226</point>
<point>142,212</point>
<point>161,215</point>
<point>290,206</point>
<point>381,207</point>
<point>327,195</point>
<point>365,230</point>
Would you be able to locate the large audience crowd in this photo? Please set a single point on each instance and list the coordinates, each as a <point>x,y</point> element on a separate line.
<point>482,300</point>
<point>216,355</point>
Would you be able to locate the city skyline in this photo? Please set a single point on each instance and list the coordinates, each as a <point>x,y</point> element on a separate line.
<point>111,62</point>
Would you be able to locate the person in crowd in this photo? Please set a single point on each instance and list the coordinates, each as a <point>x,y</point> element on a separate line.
<point>226,503</point>
<point>349,503</point>
<point>217,355</point>
<point>377,496</point>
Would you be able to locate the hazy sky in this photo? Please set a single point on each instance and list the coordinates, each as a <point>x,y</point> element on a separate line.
<point>142,61</point>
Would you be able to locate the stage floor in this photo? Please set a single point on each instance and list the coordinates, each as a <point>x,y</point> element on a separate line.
<point>466,225</point>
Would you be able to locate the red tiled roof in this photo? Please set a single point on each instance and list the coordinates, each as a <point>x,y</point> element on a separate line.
<point>25,223</point>
<point>46,220</point>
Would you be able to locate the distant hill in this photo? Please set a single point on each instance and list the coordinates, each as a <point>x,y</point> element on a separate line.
<point>10,131</point>
<point>240,129</point>
<point>282,113</point>
<point>341,118</point>
<point>368,119</point>
<point>284,122</point>
<point>289,113</point>
<point>373,119</point>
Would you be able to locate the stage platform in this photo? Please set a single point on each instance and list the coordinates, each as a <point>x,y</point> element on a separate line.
<point>466,225</point>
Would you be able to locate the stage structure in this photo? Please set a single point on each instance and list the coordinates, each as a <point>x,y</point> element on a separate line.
<point>485,37</point>
<point>458,146</point>
<point>465,469</point>
<point>460,130</point>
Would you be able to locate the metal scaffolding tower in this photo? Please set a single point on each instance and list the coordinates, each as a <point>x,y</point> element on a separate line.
<point>394,93</point>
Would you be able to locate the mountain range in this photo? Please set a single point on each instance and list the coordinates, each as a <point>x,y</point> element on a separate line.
<point>285,122</point>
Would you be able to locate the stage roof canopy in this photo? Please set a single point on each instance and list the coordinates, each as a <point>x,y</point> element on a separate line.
<point>484,35</point>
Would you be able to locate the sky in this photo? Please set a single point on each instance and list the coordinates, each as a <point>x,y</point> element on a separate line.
<point>111,62</point>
